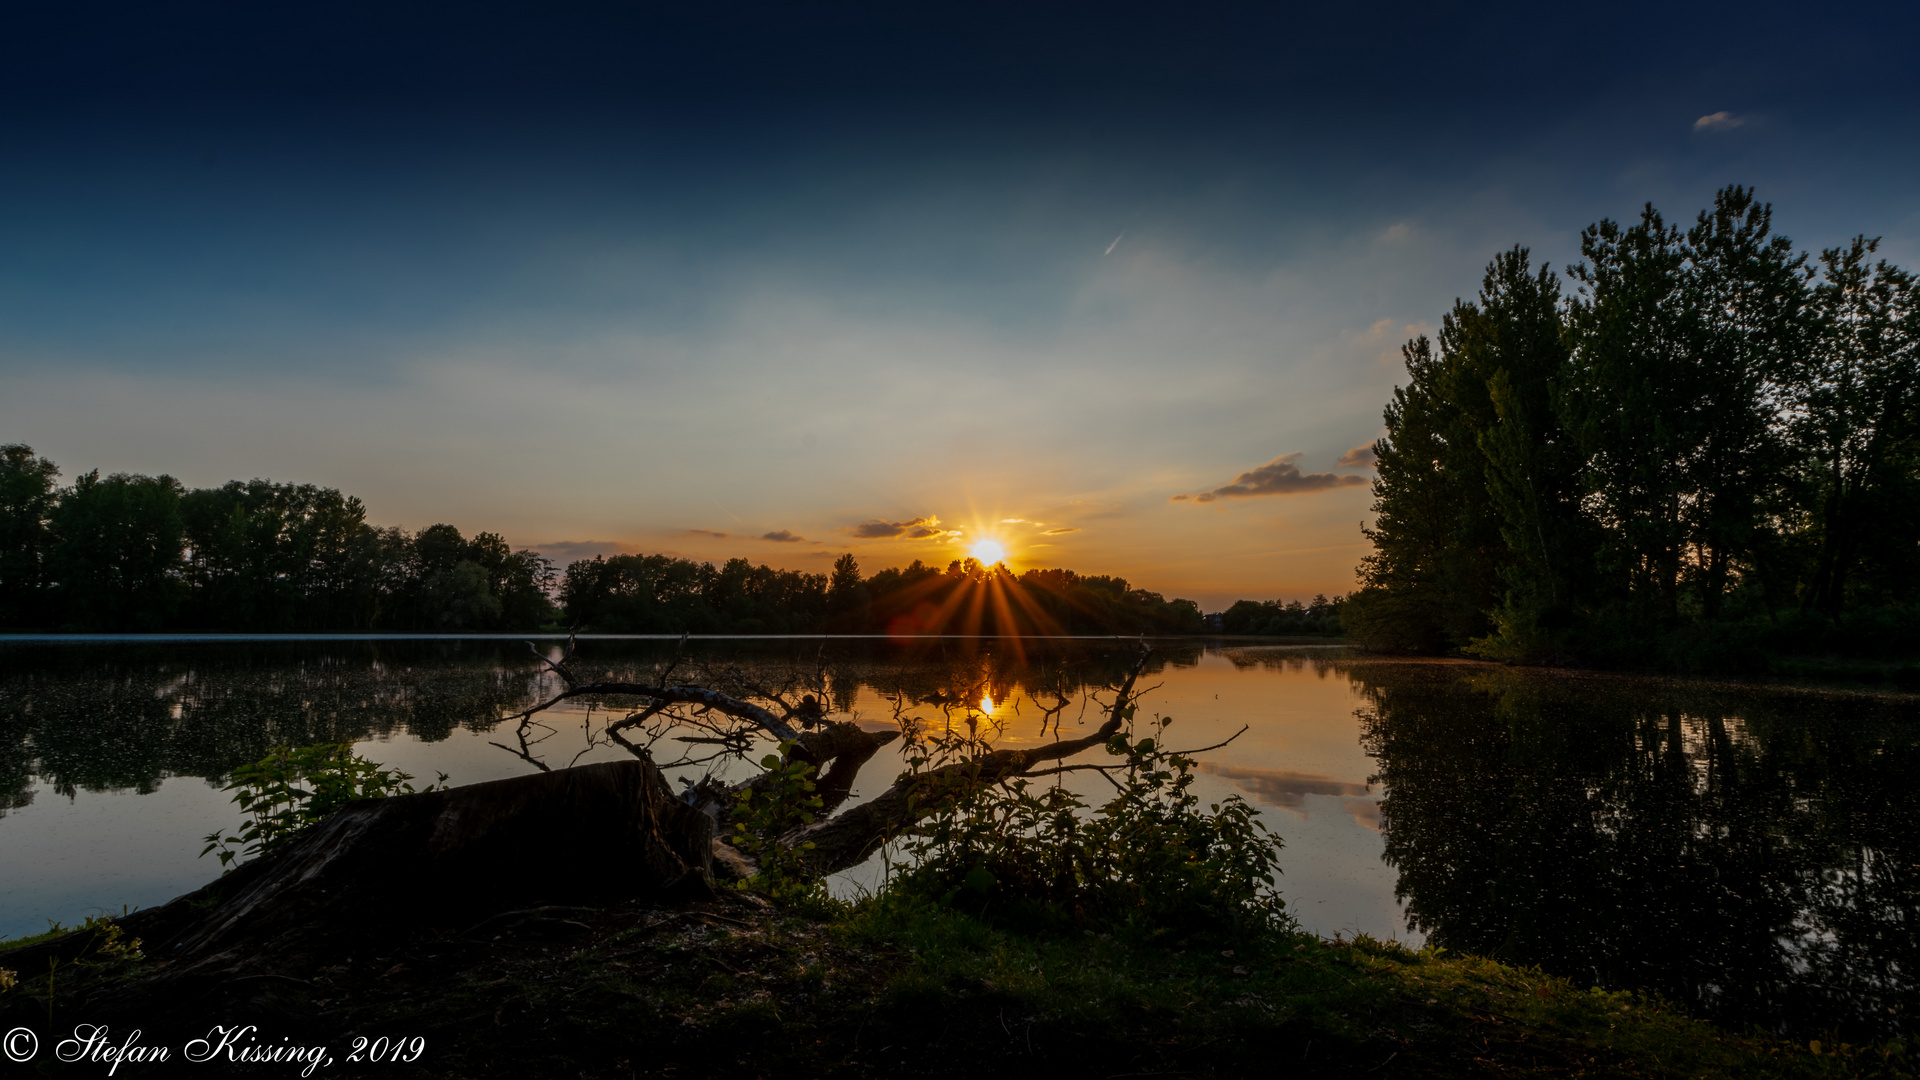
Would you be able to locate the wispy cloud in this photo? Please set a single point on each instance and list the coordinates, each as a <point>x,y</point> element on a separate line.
<point>714,533</point>
<point>916,529</point>
<point>1277,477</point>
<point>567,551</point>
<point>783,537</point>
<point>1115,244</point>
<point>1284,788</point>
<point>1058,532</point>
<point>1360,457</point>
<point>1719,121</point>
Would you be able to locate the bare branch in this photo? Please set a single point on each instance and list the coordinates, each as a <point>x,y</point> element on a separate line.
<point>844,839</point>
<point>673,695</point>
<point>1215,746</point>
<point>555,668</point>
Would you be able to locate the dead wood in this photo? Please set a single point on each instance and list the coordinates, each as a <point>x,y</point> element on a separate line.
<point>849,837</point>
<point>437,862</point>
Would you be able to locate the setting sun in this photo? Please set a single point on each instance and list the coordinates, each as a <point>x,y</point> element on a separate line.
<point>989,552</point>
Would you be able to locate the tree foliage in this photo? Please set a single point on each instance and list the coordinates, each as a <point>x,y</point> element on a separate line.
<point>660,594</point>
<point>141,553</point>
<point>1151,859</point>
<point>291,789</point>
<point>26,502</point>
<point>1711,428</point>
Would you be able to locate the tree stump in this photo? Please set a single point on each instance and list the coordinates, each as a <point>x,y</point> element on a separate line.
<point>436,864</point>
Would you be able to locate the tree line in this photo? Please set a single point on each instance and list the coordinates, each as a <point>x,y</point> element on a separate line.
<point>140,553</point>
<point>1321,617</point>
<point>128,552</point>
<point>661,594</point>
<point>1709,446</point>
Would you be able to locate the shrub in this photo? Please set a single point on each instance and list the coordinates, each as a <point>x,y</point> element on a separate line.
<point>780,800</point>
<point>278,808</point>
<point>1149,860</point>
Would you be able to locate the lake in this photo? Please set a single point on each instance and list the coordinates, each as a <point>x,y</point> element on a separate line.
<point>1752,852</point>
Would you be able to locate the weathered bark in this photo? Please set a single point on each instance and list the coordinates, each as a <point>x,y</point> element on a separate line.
<point>437,861</point>
<point>837,750</point>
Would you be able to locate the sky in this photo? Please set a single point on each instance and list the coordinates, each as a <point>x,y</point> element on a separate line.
<point>1120,286</point>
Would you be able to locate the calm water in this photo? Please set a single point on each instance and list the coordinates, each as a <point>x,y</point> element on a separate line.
<point>1753,852</point>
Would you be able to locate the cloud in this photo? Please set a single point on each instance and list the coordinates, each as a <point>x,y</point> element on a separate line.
<point>917,529</point>
<point>563,552</point>
<point>1057,532</point>
<point>1115,244</point>
<point>1360,457</point>
<point>1718,121</point>
<point>715,533</point>
<point>1284,788</point>
<point>1277,477</point>
<point>783,537</point>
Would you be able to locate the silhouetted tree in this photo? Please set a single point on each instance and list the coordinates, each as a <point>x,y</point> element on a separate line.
<point>26,501</point>
<point>117,552</point>
<point>1700,435</point>
<point>1856,425</point>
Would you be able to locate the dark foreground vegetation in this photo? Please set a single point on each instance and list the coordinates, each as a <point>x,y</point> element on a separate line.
<point>733,988</point>
<point>1706,457</point>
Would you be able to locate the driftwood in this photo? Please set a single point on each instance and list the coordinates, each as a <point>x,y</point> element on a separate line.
<point>847,838</point>
<point>439,863</point>
<point>838,749</point>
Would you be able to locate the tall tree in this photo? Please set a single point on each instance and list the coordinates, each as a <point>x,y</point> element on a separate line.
<point>1533,465</point>
<point>1428,583</point>
<point>1475,474</point>
<point>26,501</point>
<point>1749,290</point>
<point>1856,425</point>
<point>1631,399</point>
<point>117,555</point>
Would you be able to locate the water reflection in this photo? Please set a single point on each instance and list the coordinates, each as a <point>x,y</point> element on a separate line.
<point>118,717</point>
<point>110,718</point>
<point>1749,852</point>
<point>1283,788</point>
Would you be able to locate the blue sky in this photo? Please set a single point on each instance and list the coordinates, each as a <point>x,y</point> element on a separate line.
<point>613,278</point>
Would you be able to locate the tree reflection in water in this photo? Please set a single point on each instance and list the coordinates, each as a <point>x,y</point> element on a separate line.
<point>1750,852</point>
<point>125,716</point>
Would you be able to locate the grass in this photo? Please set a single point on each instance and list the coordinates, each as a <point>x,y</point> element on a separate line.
<point>892,988</point>
<point>52,931</point>
<point>1360,1007</point>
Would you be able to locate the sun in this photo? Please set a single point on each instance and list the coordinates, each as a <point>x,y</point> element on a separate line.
<point>989,552</point>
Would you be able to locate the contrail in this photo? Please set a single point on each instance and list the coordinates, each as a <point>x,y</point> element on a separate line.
<point>1115,244</point>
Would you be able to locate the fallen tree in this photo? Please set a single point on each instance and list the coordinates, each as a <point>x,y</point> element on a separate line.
<point>836,749</point>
